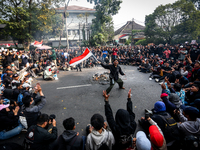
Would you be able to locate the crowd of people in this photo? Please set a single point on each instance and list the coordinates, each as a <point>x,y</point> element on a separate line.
<point>173,123</point>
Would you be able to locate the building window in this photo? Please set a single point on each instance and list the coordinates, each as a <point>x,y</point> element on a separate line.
<point>69,32</point>
<point>73,32</point>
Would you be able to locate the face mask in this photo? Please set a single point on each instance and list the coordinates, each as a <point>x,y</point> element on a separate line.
<point>12,65</point>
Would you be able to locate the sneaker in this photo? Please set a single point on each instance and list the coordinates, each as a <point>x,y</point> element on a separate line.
<point>23,121</point>
<point>24,130</point>
<point>157,80</point>
<point>150,79</point>
<point>161,83</point>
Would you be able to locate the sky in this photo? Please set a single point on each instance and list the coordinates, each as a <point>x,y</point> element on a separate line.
<point>136,9</point>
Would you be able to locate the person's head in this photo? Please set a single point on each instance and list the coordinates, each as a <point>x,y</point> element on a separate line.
<point>15,76</point>
<point>156,138</point>
<point>8,66</point>
<point>19,86</point>
<point>97,121</point>
<point>178,76</point>
<point>167,64</point>
<point>177,87</point>
<point>159,107</point>
<point>115,62</point>
<point>197,64</point>
<point>43,120</point>
<point>142,142</point>
<point>191,113</point>
<point>69,124</point>
<point>12,64</point>
<point>27,100</point>
<point>194,88</point>
<point>26,86</point>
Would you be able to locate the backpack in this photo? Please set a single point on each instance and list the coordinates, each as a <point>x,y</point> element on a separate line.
<point>171,129</point>
<point>19,99</point>
<point>2,76</point>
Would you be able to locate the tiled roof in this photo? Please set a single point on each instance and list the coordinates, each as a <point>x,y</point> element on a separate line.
<point>73,7</point>
<point>127,28</point>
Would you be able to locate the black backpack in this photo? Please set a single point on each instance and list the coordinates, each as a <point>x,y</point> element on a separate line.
<point>171,129</point>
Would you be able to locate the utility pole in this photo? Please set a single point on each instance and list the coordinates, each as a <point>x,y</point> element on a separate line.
<point>132,33</point>
<point>79,33</point>
<point>66,5</point>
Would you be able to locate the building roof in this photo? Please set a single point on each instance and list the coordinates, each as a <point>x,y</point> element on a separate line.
<point>127,28</point>
<point>76,8</point>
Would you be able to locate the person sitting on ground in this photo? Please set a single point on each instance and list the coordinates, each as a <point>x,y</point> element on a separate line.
<point>14,68</point>
<point>15,81</point>
<point>38,137</point>
<point>31,110</point>
<point>159,113</point>
<point>70,139</point>
<point>192,93</point>
<point>99,137</point>
<point>124,125</point>
<point>9,125</point>
<point>190,123</point>
<point>181,80</point>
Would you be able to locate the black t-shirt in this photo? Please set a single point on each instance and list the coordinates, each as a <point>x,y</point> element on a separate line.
<point>9,58</point>
<point>16,58</point>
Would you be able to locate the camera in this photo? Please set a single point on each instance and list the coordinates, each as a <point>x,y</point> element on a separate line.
<point>147,115</point>
<point>51,117</point>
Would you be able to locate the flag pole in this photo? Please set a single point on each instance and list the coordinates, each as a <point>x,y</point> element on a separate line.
<point>93,55</point>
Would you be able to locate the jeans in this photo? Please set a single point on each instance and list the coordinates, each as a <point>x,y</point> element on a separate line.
<point>8,134</point>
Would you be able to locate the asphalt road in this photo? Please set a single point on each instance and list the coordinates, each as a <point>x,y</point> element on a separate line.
<point>84,101</point>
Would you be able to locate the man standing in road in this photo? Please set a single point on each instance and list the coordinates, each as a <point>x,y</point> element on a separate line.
<point>114,75</point>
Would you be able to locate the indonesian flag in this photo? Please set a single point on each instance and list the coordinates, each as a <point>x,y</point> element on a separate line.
<point>79,59</point>
<point>37,43</point>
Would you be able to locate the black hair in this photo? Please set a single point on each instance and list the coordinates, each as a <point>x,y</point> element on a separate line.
<point>177,87</point>
<point>178,76</point>
<point>69,123</point>
<point>26,100</point>
<point>42,119</point>
<point>97,121</point>
<point>115,59</point>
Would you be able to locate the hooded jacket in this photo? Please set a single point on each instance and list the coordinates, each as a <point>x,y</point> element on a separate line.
<point>124,123</point>
<point>53,56</point>
<point>96,139</point>
<point>189,127</point>
<point>69,140</point>
<point>8,120</point>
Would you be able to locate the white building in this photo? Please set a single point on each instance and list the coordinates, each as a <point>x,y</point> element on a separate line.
<point>78,19</point>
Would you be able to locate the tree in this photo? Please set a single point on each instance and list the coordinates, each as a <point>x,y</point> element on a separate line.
<point>27,19</point>
<point>196,3</point>
<point>103,23</point>
<point>173,22</point>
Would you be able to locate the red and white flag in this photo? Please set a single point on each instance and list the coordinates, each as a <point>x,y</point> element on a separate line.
<point>79,59</point>
<point>37,44</point>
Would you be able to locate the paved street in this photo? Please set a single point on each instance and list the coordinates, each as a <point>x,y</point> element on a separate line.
<point>82,102</point>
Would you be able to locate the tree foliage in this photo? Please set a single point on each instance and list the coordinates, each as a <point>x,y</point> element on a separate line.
<point>173,23</point>
<point>28,19</point>
<point>103,23</point>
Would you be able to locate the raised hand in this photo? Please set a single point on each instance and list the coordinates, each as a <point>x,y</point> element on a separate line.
<point>129,93</point>
<point>105,95</point>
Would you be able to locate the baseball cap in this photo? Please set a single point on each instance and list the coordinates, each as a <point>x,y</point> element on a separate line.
<point>155,136</point>
<point>15,75</point>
